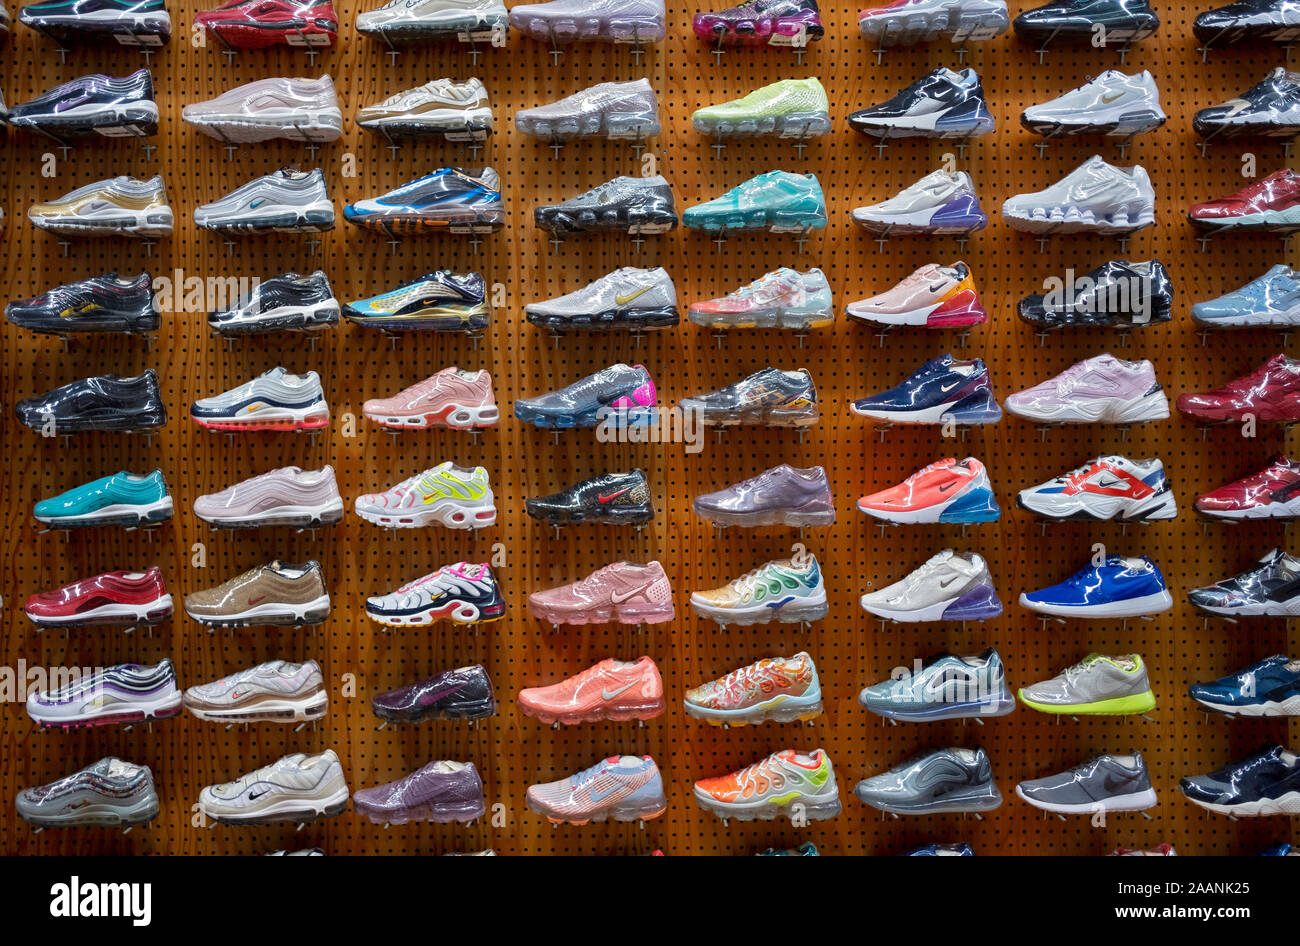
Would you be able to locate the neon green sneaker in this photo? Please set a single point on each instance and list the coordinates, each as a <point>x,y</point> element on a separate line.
<point>791,108</point>
<point>1098,686</point>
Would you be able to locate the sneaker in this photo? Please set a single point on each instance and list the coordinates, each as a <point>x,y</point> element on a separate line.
<point>767,398</point>
<point>1118,588</point>
<point>447,199</point>
<point>941,202</point>
<point>409,22</point>
<point>1102,784</point>
<point>625,788</point>
<point>631,205</point>
<point>1270,301</point>
<point>616,690</point>
<point>948,587</point>
<point>934,296</point>
<point>277,691</point>
<point>97,104</point>
<point>1099,390</point>
<point>1111,104</point>
<point>100,304</point>
<point>1105,489</point>
<point>287,201</point>
<point>781,496</point>
<point>1270,392</point>
<point>103,403</point>
<point>621,395</point>
<point>762,23</point>
<point>791,108</point>
<point>946,491</point>
<point>1266,783</point>
<point>258,24</point>
<point>294,109</point>
<point>296,788</point>
<point>121,695</point>
<point>943,104</point>
<point>142,23</point>
<point>461,593</point>
<point>1268,688</point>
<point>934,782</point>
<point>109,792</point>
<point>1095,197</point>
<point>800,785</point>
<point>908,22</point>
<point>119,599</point>
<point>613,110</point>
<point>944,687</point>
<point>943,390</point>
<point>464,693</point>
<point>445,495</point>
<point>1268,109</point>
<point>277,594</point>
<point>123,499</point>
<point>774,689</point>
<point>591,21</point>
<point>442,791</point>
<point>960,849</point>
<point>1272,493</point>
<point>287,303</point>
<point>1095,686</point>
<point>1078,22</point>
<point>441,108</point>
<point>274,400</point>
<point>300,499</point>
<point>807,849</point>
<point>611,498</point>
<point>1116,294</point>
<point>1270,203</point>
<point>461,400</point>
<point>622,592</point>
<point>782,299</point>
<point>778,202</point>
<point>437,302</point>
<point>1247,21</point>
<point>1270,589</point>
<point>789,591</point>
<point>119,206</point>
<point>627,299</point>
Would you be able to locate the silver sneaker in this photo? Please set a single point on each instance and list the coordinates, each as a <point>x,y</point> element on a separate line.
<point>275,400</point>
<point>632,205</point>
<point>949,587</point>
<point>941,202</point>
<point>1097,685</point>
<point>406,22</point>
<point>107,792</point>
<point>609,110</point>
<point>1111,104</point>
<point>628,298</point>
<point>296,109</point>
<point>287,201</point>
<point>1095,197</point>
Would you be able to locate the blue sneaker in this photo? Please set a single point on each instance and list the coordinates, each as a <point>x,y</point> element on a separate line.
<point>941,850</point>
<point>1268,688</point>
<point>807,849</point>
<point>1271,301</point>
<point>437,302</point>
<point>945,687</point>
<point>123,499</point>
<point>942,389</point>
<point>1120,588</point>
<point>620,395</point>
<point>1280,849</point>
<point>1266,783</point>
<point>447,199</point>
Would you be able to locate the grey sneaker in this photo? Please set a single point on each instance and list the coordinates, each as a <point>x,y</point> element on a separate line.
<point>592,21</point>
<point>769,398</point>
<point>1097,685</point>
<point>608,110</point>
<point>781,496</point>
<point>296,109</point>
<point>628,298</point>
<point>632,205</point>
<point>948,587</point>
<point>287,201</point>
<point>622,395</point>
<point>944,687</point>
<point>933,782</point>
<point>1105,783</point>
<point>107,792</point>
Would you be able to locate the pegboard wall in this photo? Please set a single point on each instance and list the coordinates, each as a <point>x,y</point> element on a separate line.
<point>851,650</point>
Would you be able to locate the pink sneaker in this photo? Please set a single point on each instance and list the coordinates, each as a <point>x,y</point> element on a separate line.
<point>451,398</point>
<point>934,297</point>
<point>289,496</point>
<point>1104,389</point>
<point>623,592</point>
<point>612,689</point>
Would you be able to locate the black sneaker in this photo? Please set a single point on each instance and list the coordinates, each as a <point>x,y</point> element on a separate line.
<point>1114,295</point>
<point>633,205</point>
<point>99,304</point>
<point>1076,21</point>
<point>288,303</point>
<point>464,693</point>
<point>943,104</point>
<point>115,108</point>
<point>103,403</point>
<point>611,498</point>
<point>1269,109</point>
<point>132,22</point>
<point>1248,21</point>
<point>770,397</point>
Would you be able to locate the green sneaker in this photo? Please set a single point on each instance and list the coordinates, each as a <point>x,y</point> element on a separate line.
<point>777,201</point>
<point>791,108</point>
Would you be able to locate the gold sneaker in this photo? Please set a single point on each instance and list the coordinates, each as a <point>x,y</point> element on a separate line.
<point>456,111</point>
<point>274,594</point>
<point>121,205</point>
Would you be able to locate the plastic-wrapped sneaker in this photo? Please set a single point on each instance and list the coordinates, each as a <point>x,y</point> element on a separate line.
<point>932,782</point>
<point>944,687</point>
<point>1266,783</point>
<point>461,693</point>
<point>943,390</point>
<point>610,498</point>
<point>628,299</point>
<point>414,22</point>
<point>1102,784</point>
<point>106,303</point>
<point>447,199</point>
<point>941,202</point>
<point>622,395</point>
<point>948,587</point>
<point>783,299</point>
<point>1104,489</point>
<point>462,593</point>
<point>934,296</point>
<point>787,783</point>
<point>462,400</point>
<point>97,104</point>
<point>107,792</point>
<point>441,791</point>
<point>1099,390</point>
<point>791,108</point>
<point>591,21</point>
<point>781,496</point>
<point>119,206</point>
<point>287,303</point>
<point>623,592</point>
<point>947,490</point>
<point>1096,686</point>
<point>295,788</point>
<point>1269,301</point>
<point>1117,294</point>
<point>942,104</point>
<point>296,109</point>
<point>774,689</point>
<point>1271,204</point>
<point>1119,587</point>
<point>277,691</point>
<point>762,23</point>
<point>290,496</point>
<point>907,22</point>
<point>121,599</point>
<point>445,495</point>
<point>1270,589</point>
<point>767,398</point>
<point>441,108</point>
<point>139,23</point>
<point>259,24</point>
<point>611,690</point>
<point>1271,393</point>
<point>790,591</point>
<point>1270,687</point>
<point>287,201</point>
<point>274,400</point>
<point>625,788</point>
<point>1095,197</point>
<point>122,499</point>
<point>106,402</point>
<point>436,302</point>
<point>1247,21</point>
<point>1268,109</point>
<point>1271,493</point>
<point>275,594</point>
<point>778,201</point>
<point>631,205</point>
<point>615,110</point>
<point>1081,22</point>
<point>1111,104</point>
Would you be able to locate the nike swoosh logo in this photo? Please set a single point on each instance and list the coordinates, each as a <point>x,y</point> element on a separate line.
<point>599,796</point>
<point>617,598</point>
<point>624,299</point>
<point>256,601</point>
<point>610,694</point>
<point>948,387</point>
<point>1108,97</point>
<point>606,497</point>
<point>945,584</point>
<point>938,287</point>
<point>253,796</point>
<point>944,489</point>
<point>1109,483</point>
<point>256,203</point>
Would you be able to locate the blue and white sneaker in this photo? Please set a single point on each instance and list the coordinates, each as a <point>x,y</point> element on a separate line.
<point>1271,301</point>
<point>621,395</point>
<point>1268,688</point>
<point>941,390</point>
<point>1120,588</point>
<point>123,499</point>
<point>944,687</point>
<point>1266,783</point>
<point>436,302</point>
<point>274,400</point>
<point>447,199</point>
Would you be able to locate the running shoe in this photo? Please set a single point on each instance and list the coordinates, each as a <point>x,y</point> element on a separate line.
<point>943,390</point>
<point>295,109</point>
<point>1099,390</point>
<point>591,21</point>
<point>447,199</point>
<point>287,201</point>
<point>1268,688</point>
<point>300,499</point>
<point>1247,21</point>
<point>791,108</point>
<point>412,22</point>
<point>119,206</point>
<point>610,498</point>
<point>1111,104</point>
<point>631,205</point>
<point>274,400</point>
<point>257,24</point>
<point>622,592</point>
<point>1272,493</point>
<point>942,104</point>
<point>767,398</point>
<point>614,110</point>
<point>108,792</point>
<point>1095,197</point>
<point>774,689</point>
<point>778,202</point>
<point>143,23</point>
<point>943,687</point>
<point>100,304</point>
<point>1270,392</point>
<point>1266,783</point>
<point>1119,587</point>
<point>1117,294</point>
<point>961,849</point>
<point>783,299</point>
<point>1102,784</point>
<point>625,788</point>
<point>277,594</point>
<point>1271,203</point>
<point>762,23</point>
<point>461,593</point>
<point>790,591</point>
<point>907,22</point>
<point>627,299</point>
<point>1105,489</point>
<point>933,297</point>
<point>103,403</point>
<point>1270,301</point>
<point>616,690</point>
<point>463,693</point>
<point>97,104</point>
<point>621,395</point>
<point>288,303</point>
<point>934,782</point>
<point>799,785</point>
<point>120,599</point>
<point>297,787</point>
<point>1096,686</point>
<point>442,791</point>
<point>1268,109</point>
<point>461,400</point>
<point>947,490</point>
<point>121,695</point>
<point>781,496</point>
<point>437,302</point>
<point>445,495</point>
<point>949,586</point>
<point>941,202</point>
<point>1080,22</point>
<point>277,691</point>
<point>122,499</point>
<point>1270,589</point>
<point>441,108</point>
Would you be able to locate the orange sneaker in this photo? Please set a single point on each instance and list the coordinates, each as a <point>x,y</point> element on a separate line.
<point>789,783</point>
<point>612,689</point>
<point>944,491</point>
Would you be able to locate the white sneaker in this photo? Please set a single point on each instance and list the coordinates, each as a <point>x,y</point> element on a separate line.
<point>1095,197</point>
<point>298,787</point>
<point>949,587</point>
<point>418,21</point>
<point>458,111</point>
<point>627,298</point>
<point>610,110</point>
<point>1112,487</point>
<point>296,109</point>
<point>940,202</point>
<point>446,495</point>
<point>1111,104</point>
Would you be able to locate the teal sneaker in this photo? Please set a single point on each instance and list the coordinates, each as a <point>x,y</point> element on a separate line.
<point>123,499</point>
<point>777,201</point>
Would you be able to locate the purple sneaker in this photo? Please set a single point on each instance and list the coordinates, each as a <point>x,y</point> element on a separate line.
<point>762,23</point>
<point>781,496</point>
<point>441,791</point>
<point>289,496</point>
<point>464,693</point>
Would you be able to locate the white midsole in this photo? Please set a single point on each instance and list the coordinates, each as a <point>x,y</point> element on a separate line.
<point>98,108</point>
<point>219,217</point>
<point>117,509</point>
<point>1094,115</point>
<point>115,610</point>
<point>1135,801</point>
<point>811,698</point>
<point>1128,608</point>
<point>931,612</point>
<point>276,512</point>
<point>816,599</point>
<point>270,609</point>
<point>929,415</point>
<point>475,513</point>
<point>274,118</point>
<point>915,218</point>
<point>282,806</point>
<point>437,117</point>
<point>1266,511</point>
<point>929,514</point>
<point>1288,707</point>
<point>299,707</point>
<point>1103,507</point>
<point>1100,410</point>
<point>1288,804</point>
<point>160,704</point>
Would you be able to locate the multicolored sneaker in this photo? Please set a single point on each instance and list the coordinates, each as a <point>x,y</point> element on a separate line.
<point>122,499</point>
<point>461,593</point>
<point>944,491</point>
<point>944,687</point>
<point>625,788</point>
<point>943,390</point>
<point>438,302</point>
<point>611,498</point>
<point>462,693</point>
<point>933,297</point>
<point>942,104</point>
<point>767,398</point>
<point>107,792</point>
<point>791,108</point>
<point>1096,686</point>
<point>141,23</point>
<point>274,692</point>
<point>622,592</point>
<point>1271,588</point>
<point>791,783</point>
<point>784,299</point>
<point>1106,488</point>
<point>781,496</point>
<point>778,201</point>
<point>442,791</point>
<point>787,591</point>
<point>948,587</point>
<point>774,689</point>
<point>612,689</point>
<point>762,23</point>
<point>441,108</point>
<point>451,199</point>
<point>614,110</point>
<point>121,695</point>
<point>445,495</point>
<point>462,400</point>
<point>274,400</point>
<point>620,395</point>
<point>1272,493</point>
<point>941,202</point>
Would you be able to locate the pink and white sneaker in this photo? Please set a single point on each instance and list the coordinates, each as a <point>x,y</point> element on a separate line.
<point>623,592</point>
<point>612,689</point>
<point>932,297</point>
<point>453,398</point>
<point>447,495</point>
<point>1100,390</point>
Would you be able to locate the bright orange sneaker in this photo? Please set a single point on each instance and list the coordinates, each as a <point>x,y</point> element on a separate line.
<point>612,689</point>
<point>944,491</point>
<point>790,783</point>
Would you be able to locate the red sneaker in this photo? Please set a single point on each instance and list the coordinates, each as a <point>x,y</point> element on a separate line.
<point>1270,392</point>
<point>124,598</point>
<point>256,24</point>
<point>1272,493</point>
<point>1271,202</point>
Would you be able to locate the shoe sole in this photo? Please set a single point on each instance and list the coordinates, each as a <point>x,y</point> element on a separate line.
<point>793,806</point>
<point>291,424</point>
<point>800,611</point>
<point>398,224</point>
<point>321,126</point>
<point>103,815</point>
<point>617,220</point>
<point>119,514</point>
<point>440,812</point>
<point>611,320</point>
<point>1134,705</point>
<point>1073,220</point>
<point>315,318</point>
<point>755,417</point>
<point>604,614</point>
<point>454,416</point>
<point>457,26</point>
<point>280,710</point>
<point>796,125</point>
<point>1128,608</point>
<point>1125,124</point>
<point>1152,406</point>
<point>113,615</point>
<point>1121,510</point>
<point>301,811</point>
<point>645,812</point>
<point>1288,804</point>
<point>144,225</point>
<point>121,716</point>
<point>630,515</point>
<point>284,220</point>
<point>797,517</point>
<point>447,124</point>
<point>127,121</point>
<point>271,615</point>
<point>293,517</point>
<point>788,319</point>
<point>607,712</point>
<point>1002,704</point>
<point>478,709</point>
<point>780,709</point>
<point>434,319</point>
<point>449,513</point>
<point>595,417</point>
<point>1134,801</point>
<point>772,221</point>
<point>457,612</point>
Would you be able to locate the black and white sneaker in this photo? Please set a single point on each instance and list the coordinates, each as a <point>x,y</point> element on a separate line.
<point>141,23</point>
<point>104,303</point>
<point>621,499</point>
<point>1269,109</point>
<point>1112,22</point>
<point>1270,589</point>
<point>98,104</point>
<point>943,104</point>
<point>288,303</point>
<point>1249,21</point>
<point>1117,294</point>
